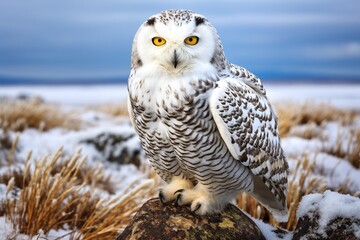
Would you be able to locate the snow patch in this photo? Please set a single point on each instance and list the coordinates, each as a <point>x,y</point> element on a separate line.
<point>271,233</point>
<point>327,205</point>
<point>296,146</point>
<point>337,172</point>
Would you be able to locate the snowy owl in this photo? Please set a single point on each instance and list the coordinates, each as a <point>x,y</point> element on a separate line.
<point>205,124</point>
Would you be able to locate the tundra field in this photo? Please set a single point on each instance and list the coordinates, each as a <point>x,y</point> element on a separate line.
<point>72,167</point>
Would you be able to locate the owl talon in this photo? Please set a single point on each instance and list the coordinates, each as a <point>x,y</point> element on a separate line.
<point>178,198</point>
<point>179,191</point>
<point>197,207</point>
<point>161,197</point>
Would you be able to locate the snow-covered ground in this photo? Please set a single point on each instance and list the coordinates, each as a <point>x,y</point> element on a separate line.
<point>341,95</point>
<point>328,205</point>
<point>336,171</point>
<point>70,94</point>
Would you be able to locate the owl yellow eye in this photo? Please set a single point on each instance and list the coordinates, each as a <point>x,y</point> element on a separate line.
<point>158,41</point>
<point>192,40</point>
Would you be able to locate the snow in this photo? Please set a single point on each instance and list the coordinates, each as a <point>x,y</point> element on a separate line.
<point>334,170</point>
<point>340,95</point>
<point>295,146</point>
<point>269,232</point>
<point>337,172</point>
<point>55,234</point>
<point>3,188</point>
<point>45,143</point>
<point>7,230</point>
<point>328,205</point>
<point>280,216</point>
<point>70,94</point>
<point>356,229</point>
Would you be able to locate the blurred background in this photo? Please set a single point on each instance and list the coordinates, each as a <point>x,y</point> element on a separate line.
<point>83,42</point>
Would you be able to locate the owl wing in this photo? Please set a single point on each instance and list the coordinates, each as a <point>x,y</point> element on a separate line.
<point>248,126</point>
<point>247,77</point>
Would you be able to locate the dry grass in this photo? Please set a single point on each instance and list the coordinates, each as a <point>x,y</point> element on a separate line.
<point>7,149</point>
<point>294,114</point>
<point>308,131</point>
<point>118,109</point>
<point>45,201</point>
<point>17,115</point>
<point>353,155</point>
<point>89,175</point>
<point>111,217</point>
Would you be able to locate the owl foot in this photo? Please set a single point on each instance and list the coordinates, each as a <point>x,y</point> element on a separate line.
<point>201,202</point>
<point>173,189</point>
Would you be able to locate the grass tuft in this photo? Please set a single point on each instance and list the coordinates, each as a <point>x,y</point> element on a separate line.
<point>45,201</point>
<point>92,176</point>
<point>110,217</point>
<point>112,109</point>
<point>18,115</point>
<point>56,194</point>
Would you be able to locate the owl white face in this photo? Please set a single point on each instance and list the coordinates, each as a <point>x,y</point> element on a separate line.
<point>175,47</point>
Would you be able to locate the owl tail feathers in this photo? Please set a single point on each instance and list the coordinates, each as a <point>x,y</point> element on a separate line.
<point>271,202</point>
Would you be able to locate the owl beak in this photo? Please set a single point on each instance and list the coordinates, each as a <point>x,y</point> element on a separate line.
<point>175,59</point>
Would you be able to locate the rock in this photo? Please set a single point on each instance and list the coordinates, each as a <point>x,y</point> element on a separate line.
<point>156,220</point>
<point>27,97</point>
<point>116,146</point>
<point>328,216</point>
<point>339,228</point>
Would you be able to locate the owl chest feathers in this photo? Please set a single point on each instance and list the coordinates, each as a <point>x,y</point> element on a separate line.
<point>177,112</point>
<point>170,104</point>
<point>179,134</point>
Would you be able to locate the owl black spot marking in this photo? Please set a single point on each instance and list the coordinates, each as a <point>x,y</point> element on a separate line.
<point>199,20</point>
<point>151,21</point>
<point>139,62</point>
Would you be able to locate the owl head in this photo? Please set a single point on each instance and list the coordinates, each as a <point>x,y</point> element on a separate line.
<point>176,42</point>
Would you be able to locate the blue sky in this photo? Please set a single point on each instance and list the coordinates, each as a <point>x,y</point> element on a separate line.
<point>88,40</point>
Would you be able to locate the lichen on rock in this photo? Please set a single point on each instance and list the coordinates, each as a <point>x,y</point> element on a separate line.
<point>156,220</point>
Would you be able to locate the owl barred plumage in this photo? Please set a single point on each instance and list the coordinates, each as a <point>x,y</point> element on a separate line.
<point>205,124</point>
